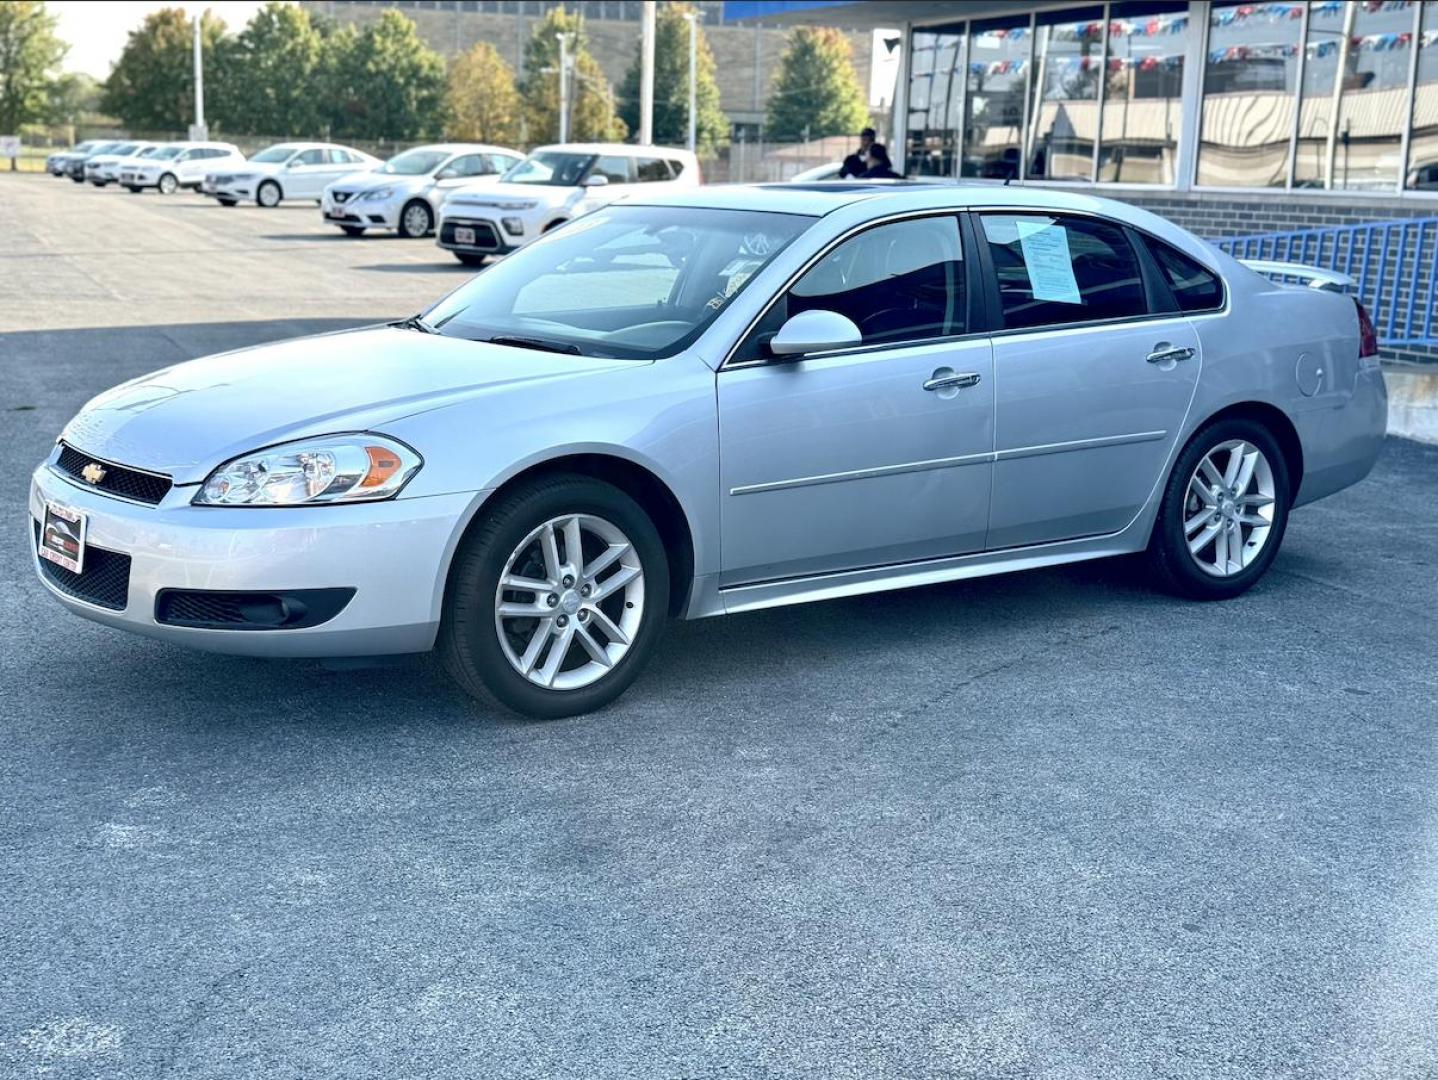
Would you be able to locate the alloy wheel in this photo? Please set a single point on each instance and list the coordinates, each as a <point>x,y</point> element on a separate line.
<point>168,184</point>
<point>570,602</point>
<point>416,220</point>
<point>1228,508</point>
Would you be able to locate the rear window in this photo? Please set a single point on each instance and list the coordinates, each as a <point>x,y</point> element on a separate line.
<point>1195,288</point>
<point>1053,270</point>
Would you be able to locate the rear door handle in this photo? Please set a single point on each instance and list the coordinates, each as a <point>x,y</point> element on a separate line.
<point>951,380</point>
<point>1163,351</point>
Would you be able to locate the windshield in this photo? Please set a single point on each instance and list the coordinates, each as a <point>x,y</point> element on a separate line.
<point>121,148</point>
<point>149,151</point>
<point>166,152</point>
<point>414,162</point>
<point>102,148</point>
<point>274,153</point>
<point>551,167</point>
<point>633,282</point>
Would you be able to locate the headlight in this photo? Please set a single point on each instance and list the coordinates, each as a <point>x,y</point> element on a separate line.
<point>335,468</point>
<point>377,193</point>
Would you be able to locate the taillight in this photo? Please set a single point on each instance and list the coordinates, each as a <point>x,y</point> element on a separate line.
<point>1367,335</point>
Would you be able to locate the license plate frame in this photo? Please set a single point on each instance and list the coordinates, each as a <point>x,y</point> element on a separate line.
<point>464,234</point>
<point>62,536</point>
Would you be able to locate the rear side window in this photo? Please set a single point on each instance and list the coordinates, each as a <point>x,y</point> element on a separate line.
<point>469,165</point>
<point>649,169</point>
<point>1054,270</point>
<point>897,282</point>
<point>677,168</point>
<point>1195,288</point>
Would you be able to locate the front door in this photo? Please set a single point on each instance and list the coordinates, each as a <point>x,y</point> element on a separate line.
<point>1091,386</point>
<point>864,456</point>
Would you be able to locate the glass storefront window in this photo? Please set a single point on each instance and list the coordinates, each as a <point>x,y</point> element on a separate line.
<point>1355,95</point>
<point>997,75</point>
<point>1063,114</point>
<point>934,96</point>
<point>1423,149</point>
<point>1143,95</point>
<point>1250,78</point>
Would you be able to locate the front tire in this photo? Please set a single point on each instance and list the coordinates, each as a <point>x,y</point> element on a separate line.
<point>556,599</point>
<point>268,195</point>
<point>1224,512</point>
<point>132,189</point>
<point>469,260</point>
<point>352,230</point>
<point>416,219</point>
<point>169,184</point>
<point>227,202</point>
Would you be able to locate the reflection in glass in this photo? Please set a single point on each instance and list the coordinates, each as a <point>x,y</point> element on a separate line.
<point>1249,79</point>
<point>1143,97</point>
<point>934,92</point>
<point>1423,150</point>
<point>1355,92</point>
<point>1068,57</point>
<point>998,69</point>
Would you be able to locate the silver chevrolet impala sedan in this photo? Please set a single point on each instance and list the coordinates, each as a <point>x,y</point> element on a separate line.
<point>709,403</point>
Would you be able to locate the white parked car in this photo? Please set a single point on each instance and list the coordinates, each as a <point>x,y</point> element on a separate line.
<point>176,165</point>
<point>297,170</point>
<point>404,193</point>
<point>551,186</point>
<point>102,169</point>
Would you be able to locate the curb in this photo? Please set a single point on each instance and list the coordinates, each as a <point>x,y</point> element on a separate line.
<point>1412,403</point>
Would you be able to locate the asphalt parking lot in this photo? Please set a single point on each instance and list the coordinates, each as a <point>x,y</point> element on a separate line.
<point>1048,825</point>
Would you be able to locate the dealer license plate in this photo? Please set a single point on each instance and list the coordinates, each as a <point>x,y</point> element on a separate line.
<point>62,537</point>
<point>463,235</point>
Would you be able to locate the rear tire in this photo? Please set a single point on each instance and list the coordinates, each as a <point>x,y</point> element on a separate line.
<point>1224,512</point>
<point>617,609</point>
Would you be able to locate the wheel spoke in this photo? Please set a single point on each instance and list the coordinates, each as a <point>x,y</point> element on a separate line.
<point>1235,464</point>
<point>592,647</point>
<point>550,547</point>
<point>1210,471</point>
<point>573,545</point>
<point>1199,488</point>
<point>609,626</point>
<point>516,610</point>
<point>525,584</point>
<point>1256,520</point>
<point>1220,550</point>
<point>557,652</point>
<point>608,558</point>
<point>621,577</point>
<point>1203,517</point>
<point>1256,499</point>
<point>1203,539</point>
<point>536,645</point>
<point>1245,472</point>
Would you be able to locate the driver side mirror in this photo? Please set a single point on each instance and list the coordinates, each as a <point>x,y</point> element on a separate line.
<point>448,173</point>
<point>813,332</point>
<point>597,180</point>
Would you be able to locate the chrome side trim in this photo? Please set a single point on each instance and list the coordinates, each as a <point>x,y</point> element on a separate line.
<point>1079,444</point>
<point>864,474</point>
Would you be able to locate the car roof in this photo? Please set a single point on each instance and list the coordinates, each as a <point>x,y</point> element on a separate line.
<point>617,149</point>
<point>461,148</point>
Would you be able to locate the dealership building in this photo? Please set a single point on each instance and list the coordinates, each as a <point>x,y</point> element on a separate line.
<point>1304,123</point>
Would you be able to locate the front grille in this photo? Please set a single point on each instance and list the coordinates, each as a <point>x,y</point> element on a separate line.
<point>105,581</point>
<point>144,487</point>
<point>485,237</point>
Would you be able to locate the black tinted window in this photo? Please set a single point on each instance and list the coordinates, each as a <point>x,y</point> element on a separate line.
<point>651,169</point>
<point>1054,269</point>
<point>899,282</point>
<point>1195,288</point>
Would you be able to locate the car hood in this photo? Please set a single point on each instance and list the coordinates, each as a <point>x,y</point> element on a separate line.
<point>187,419</point>
<point>489,194</point>
<point>365,180</point>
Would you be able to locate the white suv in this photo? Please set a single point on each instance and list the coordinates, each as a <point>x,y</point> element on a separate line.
<point>102,169</point>
<point>405,192</point>
<point>176,165</point>
<point>551,186</point>
<point>298,170</point>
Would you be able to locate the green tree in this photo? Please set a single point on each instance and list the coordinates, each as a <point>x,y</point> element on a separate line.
<point>71,96</point>
<point>671,85</point>
<point>817,90</point>
<point>273,72</point>
<point>591,105</point>
<point>383,82</point>
<point>29,54</point>
<point>152,85</point>
<point>483,101</point>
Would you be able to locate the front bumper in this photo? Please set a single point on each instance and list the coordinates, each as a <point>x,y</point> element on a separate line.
<point>394,554</point>
<point>363,213</point>
<point>234,189</point>
<point>132,178</point>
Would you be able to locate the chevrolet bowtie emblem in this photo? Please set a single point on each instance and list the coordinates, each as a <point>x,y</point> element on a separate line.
<point>93,472</point>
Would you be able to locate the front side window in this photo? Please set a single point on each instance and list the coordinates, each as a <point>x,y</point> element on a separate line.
<point>616,169</point>
<point>1054,270</point>
<point>631,282</point>
<point>309,157</point>
<point>1195,288</point>
<point>467,165</point>
<point>898,282</point>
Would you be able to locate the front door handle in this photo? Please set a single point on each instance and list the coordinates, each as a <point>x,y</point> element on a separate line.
<point>1163,352</point>
<point>944,379</point>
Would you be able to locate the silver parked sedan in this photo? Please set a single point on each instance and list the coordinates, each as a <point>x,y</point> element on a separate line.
<point>709,403</point>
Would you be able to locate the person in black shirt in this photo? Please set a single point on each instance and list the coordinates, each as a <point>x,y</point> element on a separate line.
<point>854,165</point>
<point>880,167</point>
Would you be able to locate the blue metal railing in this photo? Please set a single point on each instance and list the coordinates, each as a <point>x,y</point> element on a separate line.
<point>1393,264</point>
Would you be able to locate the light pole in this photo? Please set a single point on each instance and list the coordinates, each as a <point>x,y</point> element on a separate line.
<point>198,132</point>
<point>646,76</point>
<point>693,18</point>
<point>564,88</point>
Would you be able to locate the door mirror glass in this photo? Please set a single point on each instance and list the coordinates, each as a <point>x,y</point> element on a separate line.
<point>596,180</point>
<point>815,331</point>
<point>449,172</point>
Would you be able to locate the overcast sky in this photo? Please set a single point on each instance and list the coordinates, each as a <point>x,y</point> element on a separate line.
<point>97,30</point>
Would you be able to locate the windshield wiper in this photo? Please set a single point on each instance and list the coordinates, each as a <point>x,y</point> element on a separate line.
<point>535,343</point>
<point>414,322</point>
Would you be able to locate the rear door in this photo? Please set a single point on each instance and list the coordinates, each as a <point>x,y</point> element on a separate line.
<point>1094,371</point>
